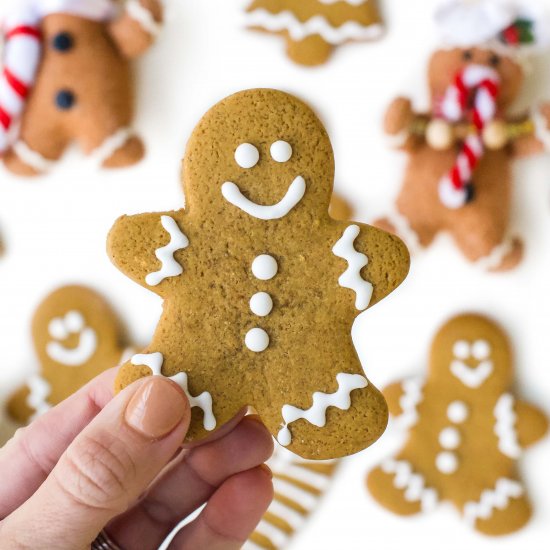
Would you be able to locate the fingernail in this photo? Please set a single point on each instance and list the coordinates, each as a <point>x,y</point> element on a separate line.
<point>156,408</point>
<point>267,470</point>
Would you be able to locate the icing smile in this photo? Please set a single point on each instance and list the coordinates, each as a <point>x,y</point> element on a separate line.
<point>294,195</point>
<point>473,377</point>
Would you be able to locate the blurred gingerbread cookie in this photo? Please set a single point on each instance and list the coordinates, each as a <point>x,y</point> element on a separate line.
<point>459,176</point>
<point>76,336</point>
<point>67,78</point>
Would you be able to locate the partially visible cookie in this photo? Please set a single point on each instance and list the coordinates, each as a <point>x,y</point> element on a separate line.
<point>76,336</point>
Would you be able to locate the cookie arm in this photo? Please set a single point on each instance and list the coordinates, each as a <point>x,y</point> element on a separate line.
<point>532,423</point>
<point>393,394</point>
<point>138,26</point>
<point>537,140</point>
<point>398,124</point>
<point>148,248</point>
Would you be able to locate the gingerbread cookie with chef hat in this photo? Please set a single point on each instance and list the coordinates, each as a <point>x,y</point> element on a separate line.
<point>313,28</point>
<point>260,285</point>
<point>67,79</point>
<point>76,336</point>
<point>467,431</point>
<point>459,176</point>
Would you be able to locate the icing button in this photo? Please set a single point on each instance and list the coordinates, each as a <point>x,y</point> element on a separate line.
<point>458,412</point>
<point>63,42</point>
<point>257,340</point>
<point>265,267</point>
<point>261,304</point>
<point>65,100</point>
<point>447,463</point>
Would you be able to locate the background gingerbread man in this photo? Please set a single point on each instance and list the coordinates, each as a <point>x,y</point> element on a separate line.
<point>466,432</point>
<point>260,285</point>
<point>67,78</point>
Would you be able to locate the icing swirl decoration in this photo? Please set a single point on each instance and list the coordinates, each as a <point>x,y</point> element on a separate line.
<point>505,427</point>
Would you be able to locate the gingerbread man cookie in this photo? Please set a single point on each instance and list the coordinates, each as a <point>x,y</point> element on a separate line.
<point>313,28</point>
<point>76,336</point>
<point>260,285</point>
<point>466,432</point>
<point>67,78</point>
<point>459,176</point>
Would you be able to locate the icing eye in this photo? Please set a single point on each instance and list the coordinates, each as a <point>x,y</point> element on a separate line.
<point>281,151</point>
<point>467,55</point>
<point>481,350</point>
<point>494,60</point>
<point>461,350</point>
<point>57,329</point>
<point>247,156</point>
<point>74,322</point>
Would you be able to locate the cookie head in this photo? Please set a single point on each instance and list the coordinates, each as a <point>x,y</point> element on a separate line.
<point>259,155</point>
<point>471,353</point>
<point>445,65</point>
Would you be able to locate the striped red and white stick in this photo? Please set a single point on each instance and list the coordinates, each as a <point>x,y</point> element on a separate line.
<point>484,83</point>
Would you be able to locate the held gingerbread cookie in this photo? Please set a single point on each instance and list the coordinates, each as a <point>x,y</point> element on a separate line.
<point>467,431</point>
<point>313,28</point>
<point>76,336</point>
<point>459,175</point>
<point>260,285</point>
<point>67,79</point>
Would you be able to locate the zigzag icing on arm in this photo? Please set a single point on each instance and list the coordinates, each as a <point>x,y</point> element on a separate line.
<point>491,500</point>
<point>505,427</point>
<point>351,278</point>
<point>203,401</point>
<point>411,398</point>
<point>39,391</point>
<point>170,268</point>
<point>317,413</point>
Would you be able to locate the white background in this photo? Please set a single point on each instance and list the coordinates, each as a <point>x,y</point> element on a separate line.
<point>54,229</point>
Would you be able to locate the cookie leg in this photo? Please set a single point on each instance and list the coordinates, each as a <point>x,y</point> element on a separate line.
<point>116,149</point>
<point>415,236</point>
<point>399,488</point>
<point>18,408</point>
<point>310,51</point>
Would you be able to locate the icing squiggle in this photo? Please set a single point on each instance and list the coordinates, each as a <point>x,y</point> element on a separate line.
<point>316,414</point>
<point>491,499</point>
<point>496,257</point>
<point>472,377</point>
<point>294,195</point>
<point>298,30</point>
<point>351,278</point>
<point>170,268</point>
<point>204,401</point>
<point>411,398</point>
<point>39,391</point>
<point>505,427</point>
<point>412,483</point>
<point>144,17</point>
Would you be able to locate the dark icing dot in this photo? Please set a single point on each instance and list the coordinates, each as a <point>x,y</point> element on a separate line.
<point>63,42</point>
<point>65,99</point>
<point>470,193</point>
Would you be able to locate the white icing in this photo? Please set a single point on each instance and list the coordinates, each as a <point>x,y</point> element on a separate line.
<point>281,151</point>
<point>298,30</point>
<point>264,267</point>
<point>481,350</point>
<point>247,156</point>
<point>316,414</point>
<point>39,391</point>
<point>350,2</point>
<point>351,278</point>
<point>261,304</point>
<point>203,401</point>
<point>409,401</point>
<point>450,439</point>
<point>458,412</point>
<point>446,462</point>
<point>492,499</point>
<point>57,329</point>
<point>472,377</point>
<point>505,427</point>
<point>110,145</point>
<point>144,17</point>
<point>461,350</point>
<point>294,195</point>
<point>257,340</point>
<point>405,231</point>
<point>414,484</point>
<point>74,322</point>
<point>32,158</point>
<point>170,267</point>
<point>496,257</point>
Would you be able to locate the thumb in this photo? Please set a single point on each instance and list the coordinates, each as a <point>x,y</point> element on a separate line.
<point>105,470</point>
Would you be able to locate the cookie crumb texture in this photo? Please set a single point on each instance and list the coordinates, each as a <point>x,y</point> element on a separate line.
<point>313,28</point>
<point>260,285</point>
<point>466,433</point>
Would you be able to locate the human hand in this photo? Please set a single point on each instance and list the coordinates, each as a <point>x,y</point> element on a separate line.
<point>97,463</point>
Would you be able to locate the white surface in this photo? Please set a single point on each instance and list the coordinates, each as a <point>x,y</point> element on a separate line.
<point>55,230</point>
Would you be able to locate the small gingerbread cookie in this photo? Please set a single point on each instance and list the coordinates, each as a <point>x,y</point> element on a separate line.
<point>67,79</point>
<point>313,28</point>
<point>466,432</point>
<point>260,285</point>
<point>76,336</point>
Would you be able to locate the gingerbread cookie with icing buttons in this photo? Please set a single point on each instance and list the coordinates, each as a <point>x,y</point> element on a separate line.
<point>260,285</point>
<point>76,336</point>
<point>467,430</point>
<point>313,28</point>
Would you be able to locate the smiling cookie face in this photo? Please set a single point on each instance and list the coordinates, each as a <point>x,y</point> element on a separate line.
<point>261,159</point>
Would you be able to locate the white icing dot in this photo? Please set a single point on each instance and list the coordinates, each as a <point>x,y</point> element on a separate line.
<point>74,322</point>
<point>246,155</point>
<point>481,350</point>
<point>264,267</point>
<point>261,304</point>
<point>281,151</point>
<point>57,329</point>
<point>461,349</point>
<point>450,438</point>
<point>446,463</point>
<point>457,412</point>
<point>257,340</point>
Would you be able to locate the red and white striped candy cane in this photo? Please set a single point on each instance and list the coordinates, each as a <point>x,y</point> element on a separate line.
<point>484,83</point>
<point>20,60</point>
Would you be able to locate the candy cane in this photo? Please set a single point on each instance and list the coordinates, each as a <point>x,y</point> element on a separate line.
<point>455,188</point>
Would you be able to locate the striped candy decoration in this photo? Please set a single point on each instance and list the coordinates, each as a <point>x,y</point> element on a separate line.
<point>455,188</point>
